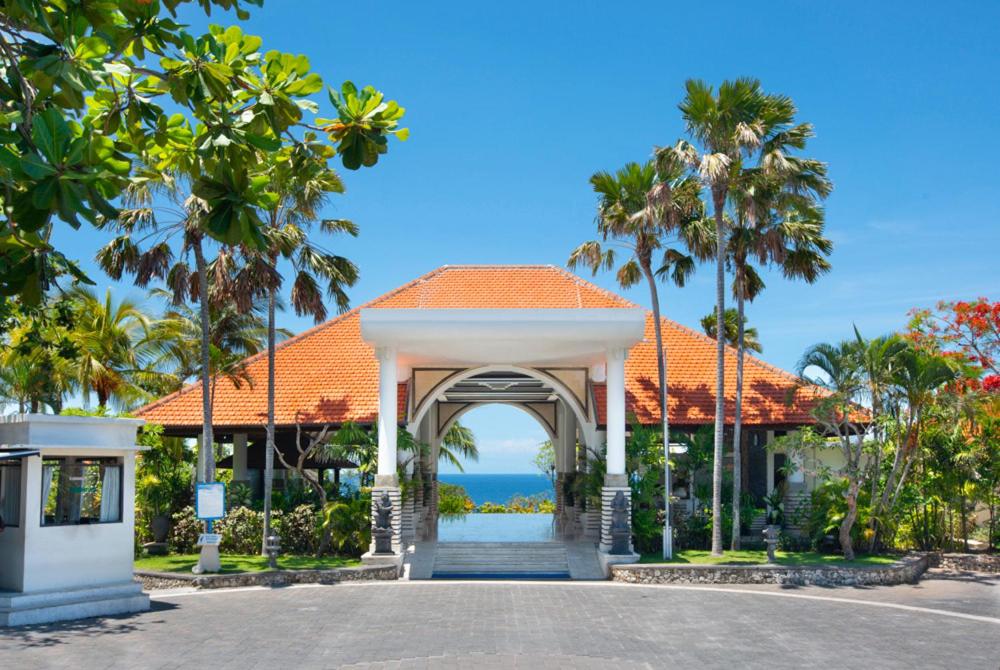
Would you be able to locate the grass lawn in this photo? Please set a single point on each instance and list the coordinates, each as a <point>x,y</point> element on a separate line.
<point>236,563</point>
<point>754,557</point>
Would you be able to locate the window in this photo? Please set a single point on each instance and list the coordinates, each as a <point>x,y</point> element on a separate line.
<point>10,492</point>
<point>81,491</point>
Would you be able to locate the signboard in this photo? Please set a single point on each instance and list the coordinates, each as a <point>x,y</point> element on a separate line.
<point>209,539</point>
<point>210,501</point>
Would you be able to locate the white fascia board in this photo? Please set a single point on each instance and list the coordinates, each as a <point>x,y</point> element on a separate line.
<point>603,327</point>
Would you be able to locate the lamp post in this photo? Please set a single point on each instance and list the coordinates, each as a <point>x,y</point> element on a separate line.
<point>668,533</point>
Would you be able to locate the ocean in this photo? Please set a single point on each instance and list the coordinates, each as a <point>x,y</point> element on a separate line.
<point>500,488</point>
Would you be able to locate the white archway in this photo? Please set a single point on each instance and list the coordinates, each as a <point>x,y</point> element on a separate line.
<point>588,427</point>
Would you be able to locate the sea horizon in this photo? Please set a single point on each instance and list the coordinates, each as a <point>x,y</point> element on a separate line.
<point>484,487</point>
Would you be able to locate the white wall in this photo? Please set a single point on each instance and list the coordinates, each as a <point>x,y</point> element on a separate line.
<point>65,557</point>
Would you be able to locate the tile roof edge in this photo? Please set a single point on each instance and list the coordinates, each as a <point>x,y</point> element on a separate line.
<point>295,338</point>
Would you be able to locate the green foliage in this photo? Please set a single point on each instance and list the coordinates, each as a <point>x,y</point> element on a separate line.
<point>184,531</point>
<point>453,499</point>
<point>241,530</point>
<point>520,504</point>
<point>298,529</point>
<point>86,89</point>
<point>349,523</point>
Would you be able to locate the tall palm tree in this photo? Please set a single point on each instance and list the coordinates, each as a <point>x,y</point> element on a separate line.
<point>159,210</point>
<point>728,128</point>
<point>777,221</point>
<point>644,208</point>
<point>731,330</point>
<point>114,347</point>
<point>301,181</point>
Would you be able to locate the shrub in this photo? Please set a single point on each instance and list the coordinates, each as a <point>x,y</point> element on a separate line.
<point>298,530</point>
<point>185,531</point>
<point>453,499</point>
<point>349,522</point>
<point>242,529</point>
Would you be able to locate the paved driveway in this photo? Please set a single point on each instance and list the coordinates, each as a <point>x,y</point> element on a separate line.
<point>941,623</point>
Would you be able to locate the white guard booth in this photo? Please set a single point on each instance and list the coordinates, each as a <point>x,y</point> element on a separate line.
<point>67,490</point>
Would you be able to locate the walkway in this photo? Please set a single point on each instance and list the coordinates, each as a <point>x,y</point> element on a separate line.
<point>555,559</point>
<point>940,623</point>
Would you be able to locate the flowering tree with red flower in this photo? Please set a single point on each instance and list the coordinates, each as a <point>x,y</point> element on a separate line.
<point>967,330</point>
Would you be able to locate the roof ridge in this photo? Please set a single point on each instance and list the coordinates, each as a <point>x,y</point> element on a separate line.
<point>301,336</point>
<point>589,284</point>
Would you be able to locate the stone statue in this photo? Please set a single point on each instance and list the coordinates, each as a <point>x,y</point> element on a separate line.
<point>382,532</point>
<point>620,528</point>
<point>771,540</point>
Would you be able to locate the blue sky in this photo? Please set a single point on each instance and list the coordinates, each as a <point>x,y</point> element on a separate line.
<point>512,106</point>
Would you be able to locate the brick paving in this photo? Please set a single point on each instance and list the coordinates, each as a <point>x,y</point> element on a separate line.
<point>531,625</point>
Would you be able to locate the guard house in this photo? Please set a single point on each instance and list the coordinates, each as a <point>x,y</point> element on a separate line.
<point>67,486</point>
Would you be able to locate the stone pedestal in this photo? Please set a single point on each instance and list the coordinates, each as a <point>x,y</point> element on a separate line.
<point>613,484</point>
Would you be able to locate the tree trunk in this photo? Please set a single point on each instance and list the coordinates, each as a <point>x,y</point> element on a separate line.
<point>661,366</point>
<point>737,419</point>
<point>269,440</point>
<point>848,523</point>
<point>720,371</point>
<point>207,473</point>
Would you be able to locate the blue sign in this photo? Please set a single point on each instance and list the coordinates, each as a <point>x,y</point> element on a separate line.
<point>210,501</point>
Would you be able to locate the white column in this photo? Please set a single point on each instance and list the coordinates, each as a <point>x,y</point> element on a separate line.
<point>387,403</point>
<point>240,457</point>
<point>616,411</point>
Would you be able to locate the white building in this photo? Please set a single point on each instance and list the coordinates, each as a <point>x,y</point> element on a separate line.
<point>67,486</point>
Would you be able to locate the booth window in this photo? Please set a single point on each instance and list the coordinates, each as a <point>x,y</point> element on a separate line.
<point>10,492</point>
<point>81,491</point>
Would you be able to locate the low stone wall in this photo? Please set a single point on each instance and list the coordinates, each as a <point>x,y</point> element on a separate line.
<point>904,571</point>
<point>967,562</point>
<point>170,580</point>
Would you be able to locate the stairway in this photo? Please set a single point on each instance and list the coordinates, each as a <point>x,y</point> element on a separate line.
<point>500,560</point>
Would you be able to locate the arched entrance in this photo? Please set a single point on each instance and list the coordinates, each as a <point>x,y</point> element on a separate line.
<point>435,365</point>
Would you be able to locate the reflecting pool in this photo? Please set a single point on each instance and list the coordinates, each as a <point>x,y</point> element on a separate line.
<point>475,527</point>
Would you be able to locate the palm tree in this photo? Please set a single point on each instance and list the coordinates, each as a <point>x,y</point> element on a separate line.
<point>777,222</point>
<point>114,347</point>
<point>639,208</point>
<point>301,182</point>
<point>843,376</point>
<point>458,443</point>
<point>731,330</point>
<point>728,127</point>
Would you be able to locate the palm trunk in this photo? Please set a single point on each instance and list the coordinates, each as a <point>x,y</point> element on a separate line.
<point>720,371</point>
<point>206,461</point>
<point>737,419</point>
<point>661,365</point>
<point>848,523</point>
<point>269,440</point>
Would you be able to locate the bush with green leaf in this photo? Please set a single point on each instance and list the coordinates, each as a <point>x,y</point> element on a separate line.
<point>298,530</point>
<point>349,522</point>
<point>184,531</point>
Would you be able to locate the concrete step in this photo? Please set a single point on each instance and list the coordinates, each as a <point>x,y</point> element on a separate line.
<point>501,559</point>
<point>19,609</point>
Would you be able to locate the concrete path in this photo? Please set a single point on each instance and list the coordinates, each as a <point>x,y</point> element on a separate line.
<point>944,622</point>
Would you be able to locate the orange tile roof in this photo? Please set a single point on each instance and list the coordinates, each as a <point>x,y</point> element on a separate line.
<point>328,374</point>
<point>691,383</point>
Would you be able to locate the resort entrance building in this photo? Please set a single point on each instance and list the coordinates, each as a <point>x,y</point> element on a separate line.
<point>579,359</point>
